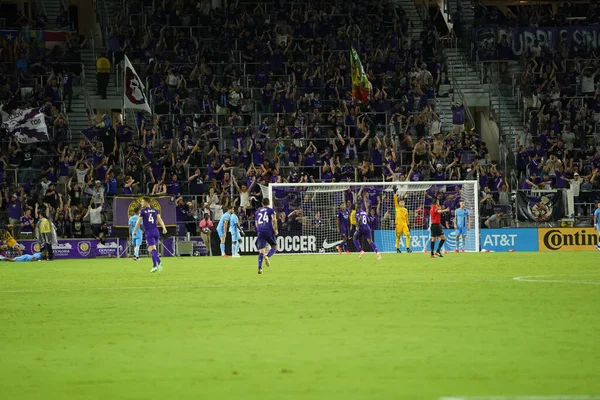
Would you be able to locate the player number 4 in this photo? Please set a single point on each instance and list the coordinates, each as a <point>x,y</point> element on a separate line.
<point>151,218</point>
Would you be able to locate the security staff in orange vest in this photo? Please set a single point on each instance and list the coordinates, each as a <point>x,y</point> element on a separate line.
<point>102,75</point>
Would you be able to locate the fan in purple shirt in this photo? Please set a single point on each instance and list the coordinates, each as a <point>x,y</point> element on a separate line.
<point>149,217</point>
<point>363,230</point>
<point>266,228</point>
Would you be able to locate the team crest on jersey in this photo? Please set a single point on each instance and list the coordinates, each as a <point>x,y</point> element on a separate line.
<point>84,248</point>
<point>134,203</point>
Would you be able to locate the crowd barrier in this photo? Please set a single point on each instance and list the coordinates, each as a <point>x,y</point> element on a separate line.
<point>493,240</point>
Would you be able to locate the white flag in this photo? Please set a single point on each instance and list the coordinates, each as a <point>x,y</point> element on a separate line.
<point>26,126</point>
<point>134,96</point>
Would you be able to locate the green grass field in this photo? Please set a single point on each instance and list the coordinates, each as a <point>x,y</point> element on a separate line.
<point>311,327</point>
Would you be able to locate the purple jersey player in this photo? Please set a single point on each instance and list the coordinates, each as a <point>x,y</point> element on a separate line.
<point>266,228</point>
<point>151,219</point>
<point>363,230</point>
<point>343,226</point>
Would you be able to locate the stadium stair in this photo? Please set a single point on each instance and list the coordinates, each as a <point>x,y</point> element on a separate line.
<point>413,16</point>
<point>53,9</point>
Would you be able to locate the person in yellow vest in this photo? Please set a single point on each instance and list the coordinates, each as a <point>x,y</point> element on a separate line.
<point>352,221</point>
<point>102,75</point>
<point>8,241</point>
<point>401,224</point>
<point>45,232</point>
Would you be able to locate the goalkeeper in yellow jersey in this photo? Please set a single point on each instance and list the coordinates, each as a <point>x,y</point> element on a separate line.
<point>401,224</point>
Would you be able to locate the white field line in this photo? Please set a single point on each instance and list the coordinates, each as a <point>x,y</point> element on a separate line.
<point>529,397</point>
<point>540,279</point>
<point>240,285</point>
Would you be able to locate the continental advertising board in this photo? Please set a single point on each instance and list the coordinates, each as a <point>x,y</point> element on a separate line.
<point>567,239</point>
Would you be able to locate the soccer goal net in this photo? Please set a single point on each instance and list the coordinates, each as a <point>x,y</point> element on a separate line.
<point>308,212</point>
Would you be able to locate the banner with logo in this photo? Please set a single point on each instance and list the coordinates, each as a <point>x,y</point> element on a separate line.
<point>567,239</point>
<point>79,248</point>
<point>509,239</point>
<point>134,96</point>
<point>419,240</point>
<point>540,206</point>
<point>487,40</point>
<point>26,126</point>
<point>123,207</point>
<point>285,244</point>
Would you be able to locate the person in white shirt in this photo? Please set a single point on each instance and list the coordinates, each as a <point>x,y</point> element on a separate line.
<point>436,125</point>
<point>587,81</point>
<point>575,186</point>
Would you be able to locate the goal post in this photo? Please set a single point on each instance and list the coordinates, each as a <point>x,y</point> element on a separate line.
<point>308,212</point>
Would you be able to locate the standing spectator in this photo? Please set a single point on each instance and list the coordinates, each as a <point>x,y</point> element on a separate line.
<point>95,214</point>
<point>458,116</point>
<point>46,233</point>
<point>27,225</point>
<point>206,228</point>
<point>15,209</point>
<point>102,75</point>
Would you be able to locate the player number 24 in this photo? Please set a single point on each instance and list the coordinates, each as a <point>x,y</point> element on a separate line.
<point>262,218</point>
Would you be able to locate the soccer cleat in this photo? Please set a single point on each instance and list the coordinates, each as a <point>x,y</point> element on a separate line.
<point>437,253</point>
<point>379,256</point>
<point>236,256</point>
<point>260,271</point>
<point>398,250</point>
<point>160,267</point>
<point>432,256</point>
<point>425,251</point>
<point>267,261</point>
<point>362,252</point>
<point>463,250</point>
<point>224,255</point>
<point>339,249</point>
<point>456,250</point>
<point>136,259</point>
<point>408,250</point>
<point>154,269</point>
<point>348,252</point>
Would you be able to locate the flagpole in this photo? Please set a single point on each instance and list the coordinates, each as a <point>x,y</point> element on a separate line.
<point>123,94</point>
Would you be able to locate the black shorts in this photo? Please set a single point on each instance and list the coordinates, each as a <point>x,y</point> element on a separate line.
<point>436,230</point>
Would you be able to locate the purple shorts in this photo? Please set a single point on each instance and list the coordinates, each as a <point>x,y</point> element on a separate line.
<point>364,232</point>
<point>344,232</point>
<point>152,238</point>
<point>263,238</point>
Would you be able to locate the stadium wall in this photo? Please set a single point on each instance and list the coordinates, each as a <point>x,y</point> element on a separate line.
<point>493,240</point>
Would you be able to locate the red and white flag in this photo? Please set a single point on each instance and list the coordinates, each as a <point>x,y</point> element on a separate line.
<point>134,95</point>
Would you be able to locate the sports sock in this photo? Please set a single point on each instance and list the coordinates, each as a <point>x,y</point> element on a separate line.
<point>222,246</point>
<point>397,242</point>
<point>235,248</point>
<point>153,259</point>
<point>374,247</point>
<point>272,252</point>
<point>440,245</point>
<point>357,244</point>
<point>156,256</point>
<point>136,251</point>
<point>407,237</point>
<point>432,247</point>
<point>457,243</point>
<point>260,260</point>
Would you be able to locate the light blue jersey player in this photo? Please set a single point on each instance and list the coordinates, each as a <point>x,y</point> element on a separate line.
<point>136,239</point>
<point>236,234</point>
<point>597,222</point>
<point>462,221</point>
<point>24,258</point>
<point>222,229</point>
